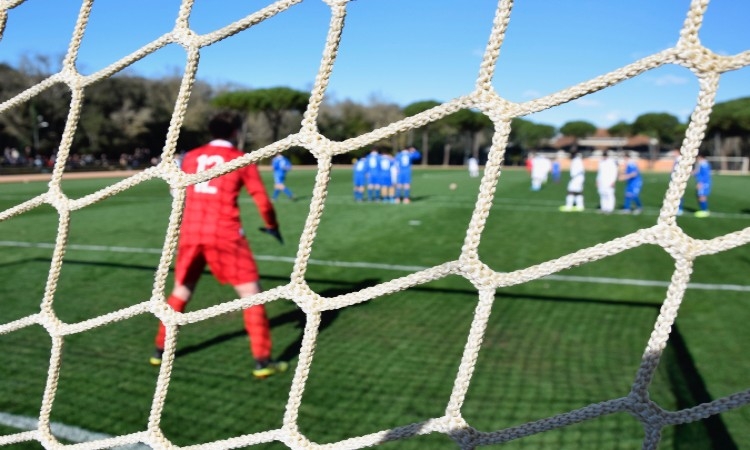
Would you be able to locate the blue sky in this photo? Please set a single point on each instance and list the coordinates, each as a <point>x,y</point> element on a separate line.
<point>403,51</point>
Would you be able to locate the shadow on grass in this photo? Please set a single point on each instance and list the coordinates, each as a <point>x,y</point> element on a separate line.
<point>349,287</point>
<point>413,199</point>
<point>326,319</point>
<point>297,198</point>
<point>687,384</point>
<point>296,317</point>
<point>690,390</point>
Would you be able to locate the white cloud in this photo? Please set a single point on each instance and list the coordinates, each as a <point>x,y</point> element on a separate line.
<point>613,117</point>
<point>669,80</point>
<point>684,113</point>
<point>636,55</point>
<point>586,102</point>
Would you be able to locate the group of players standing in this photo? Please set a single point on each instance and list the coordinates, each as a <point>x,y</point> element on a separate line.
<point>608,173</point>
<point>382,177</point>
<point>211,232</point>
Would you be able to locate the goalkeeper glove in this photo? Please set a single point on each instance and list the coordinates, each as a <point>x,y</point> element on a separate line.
<point>273,232</point>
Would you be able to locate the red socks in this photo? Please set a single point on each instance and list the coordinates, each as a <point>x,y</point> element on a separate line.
<point>259,331</point>
<point>256,324</point>
<point>178,305</point>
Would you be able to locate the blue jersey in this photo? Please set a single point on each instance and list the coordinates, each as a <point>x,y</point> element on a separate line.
<point>372,161</point>
<point>360,173</point>
<point>404,160</point>
<point>635,181</point>
<point>703,172</point>
<point>415,155</point>
<point>384,175</point>
<point>703,178</point>
<point>281,165</point>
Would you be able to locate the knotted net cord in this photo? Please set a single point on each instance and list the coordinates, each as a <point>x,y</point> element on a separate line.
<point>707,66</point>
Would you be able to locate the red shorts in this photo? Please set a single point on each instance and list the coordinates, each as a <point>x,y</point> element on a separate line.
<point>230,261</point>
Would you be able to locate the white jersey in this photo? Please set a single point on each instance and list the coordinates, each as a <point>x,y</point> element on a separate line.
<point>473,167</point>
<point>577,174</point>
<point>540,167</point>
<point>606,176</point>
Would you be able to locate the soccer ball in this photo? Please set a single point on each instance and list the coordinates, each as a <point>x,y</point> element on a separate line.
<point>452,186</point>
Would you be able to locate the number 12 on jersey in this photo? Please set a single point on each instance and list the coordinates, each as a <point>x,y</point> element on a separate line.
<point>206,162</point>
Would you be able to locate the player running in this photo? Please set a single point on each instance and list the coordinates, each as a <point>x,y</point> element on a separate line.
<point>281,165</point>
<point>211,234</point>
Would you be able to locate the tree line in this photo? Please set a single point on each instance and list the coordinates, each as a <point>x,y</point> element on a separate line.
<point>128,116</point>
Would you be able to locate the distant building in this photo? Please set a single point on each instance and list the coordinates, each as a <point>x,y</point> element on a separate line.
<point>601,140</point>
<point>649,152</point>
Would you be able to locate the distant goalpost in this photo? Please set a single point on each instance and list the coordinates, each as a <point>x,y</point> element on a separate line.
<point>707,66</point>
<point>734,165</point>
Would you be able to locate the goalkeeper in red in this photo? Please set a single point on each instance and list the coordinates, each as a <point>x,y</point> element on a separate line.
<point>211,234</point>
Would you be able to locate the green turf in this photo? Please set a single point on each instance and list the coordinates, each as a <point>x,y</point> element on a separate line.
<point>551,345</point>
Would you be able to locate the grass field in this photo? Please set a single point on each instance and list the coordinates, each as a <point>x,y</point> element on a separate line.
<point>552,345</point>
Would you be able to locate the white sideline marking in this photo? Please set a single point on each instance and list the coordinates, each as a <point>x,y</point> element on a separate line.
<point>512,204</point>
<point>75,434</point>
<point>67,432</point>
<point>394,267</point>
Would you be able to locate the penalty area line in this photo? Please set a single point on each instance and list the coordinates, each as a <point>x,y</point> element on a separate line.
<point>392,267</point>
<point>62,431</point>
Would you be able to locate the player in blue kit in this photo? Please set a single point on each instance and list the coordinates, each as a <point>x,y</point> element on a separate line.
<point>404,159</point>
<point>372,162</point>
<point>633,185</point>
<point>676,156</point>
<point>281,165</point>
<point>556,170</point>
<point>360,179</point>
<point>385,177</point>
<point>702,174</point>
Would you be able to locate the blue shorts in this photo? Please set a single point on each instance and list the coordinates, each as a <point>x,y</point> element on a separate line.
<point>279,177</point>
<point>633,191</point>
<point>404,177</point>
<point>703,190</point>
<point>372,178</point>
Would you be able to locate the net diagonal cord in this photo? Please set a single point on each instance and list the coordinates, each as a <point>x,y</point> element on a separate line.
<point>707,66</point>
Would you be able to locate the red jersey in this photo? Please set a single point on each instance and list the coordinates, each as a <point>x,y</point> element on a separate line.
<point>211,212</point>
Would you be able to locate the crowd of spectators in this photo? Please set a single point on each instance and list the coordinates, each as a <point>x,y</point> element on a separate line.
<point>29,159</point>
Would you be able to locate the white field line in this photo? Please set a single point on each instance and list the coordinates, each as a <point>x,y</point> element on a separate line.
<point>75,434</point>
<point>61,431</point>
<point>464,202</point>
<point>516,204</point>
<point>393,267</point>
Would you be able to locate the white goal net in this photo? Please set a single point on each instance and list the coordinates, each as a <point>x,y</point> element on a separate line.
<point>707,66</point>
<point>739,165</point>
